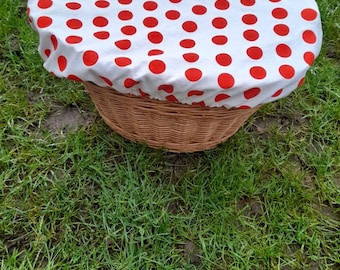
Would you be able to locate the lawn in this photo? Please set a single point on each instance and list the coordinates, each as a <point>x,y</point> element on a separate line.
<point>75,195</point>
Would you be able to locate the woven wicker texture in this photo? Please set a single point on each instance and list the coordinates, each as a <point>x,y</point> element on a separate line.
<point>171,126</point>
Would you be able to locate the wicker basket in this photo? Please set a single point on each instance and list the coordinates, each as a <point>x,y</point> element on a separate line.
<point>172,126</point>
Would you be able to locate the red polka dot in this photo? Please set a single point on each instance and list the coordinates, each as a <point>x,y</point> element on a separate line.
<point>125,15</point>
<point>128,83</point>
<point>150,22</point>
<point>62,63</point>
<point>220,40</point>
<point>175,1</point>
<point>143,94</point>
<point>100,21</point>
<point>74,39</point>
<point>279,13</point>
<point>47,52</point>
<point>244,107</point>
<point>45,4</point>
<point>309,14</point>
<point>301,82</point>
<point>90,58</point>
<point>44,21</point>
<point>102,4</point>
<point>74,78</point>
<point>168,88</point>
<point>249,19</point>
<point>189,26</point>
<point>277,93</point>
<point>248,2</point>
<point>125,2</point>
<point>155,37</point>
<point>219,22</point>
<point>129,30</point>
<point>54,42</point>
<point>255,52</point>
<point>150,5</point>
<point>193,74</point>
<point>123,61</point>
<point>28,14</point>
<point>187,43</point>
<point>251,35</point>
<point>222,4</point>
<point>287,71</point>
<point>172,14</point>
<point>201,104</point>
<point>195,93</point>
<point>226,80</point>
<point>283,50</point>
<point>309,58</point>
<point>258,72</point>
<point>155,52</point>
<point>73,5</point>
<point>172,98</point>
<point>123,44</point>
<point>251,93</point>
<point>106,80</point>
<point>102,35</point>
<point>309,36</point>
<point>74,23</point>
<point>157,66</point>
<point>223,59</point>
<point>199,9</point>
<point>191,57</point>
<point>281,29</point>
<point>221,97</point>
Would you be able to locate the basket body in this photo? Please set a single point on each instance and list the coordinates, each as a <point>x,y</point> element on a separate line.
<point>171,126</point>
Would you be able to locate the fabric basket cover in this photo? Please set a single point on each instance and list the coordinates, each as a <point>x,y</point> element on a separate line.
<point>236,54</point>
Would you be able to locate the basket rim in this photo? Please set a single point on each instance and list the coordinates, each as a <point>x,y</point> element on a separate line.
<point>167,104</point>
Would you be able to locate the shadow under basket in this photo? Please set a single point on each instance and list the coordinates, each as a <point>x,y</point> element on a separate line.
<point>160,124</point>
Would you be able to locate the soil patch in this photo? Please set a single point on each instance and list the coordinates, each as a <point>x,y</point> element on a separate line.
<point>330,211</point>
<point>176,207</point>
<point>251,206</point>
<point>191,252</point>
<point>65,119</point>
<point>16,242</point>
<point>265,126</point>
<point>176,166</point>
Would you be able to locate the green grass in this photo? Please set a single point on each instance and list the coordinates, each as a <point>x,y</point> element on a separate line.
<point>268,198</point>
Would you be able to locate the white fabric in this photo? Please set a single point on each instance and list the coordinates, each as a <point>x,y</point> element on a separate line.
<point>238,53</point>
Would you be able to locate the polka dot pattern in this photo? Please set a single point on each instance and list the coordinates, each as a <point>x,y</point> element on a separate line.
<point>73,5</point>
<point>74,24</point>
<point>44,21</point>
<point>172,14</point>
<point>102,4</point>
<point>157,66</point>
<point>182,51</point>
<point>45,4</point>
<point>258,72</point>
<point>255,52</point>
<point>226,81</point>
<point>199,9</point>
<point>249,19</point>
<point>90,58</point>
<point>193,74</point>
<point>73,39</point>
<point>123,61</point>
<point>62,63</point>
